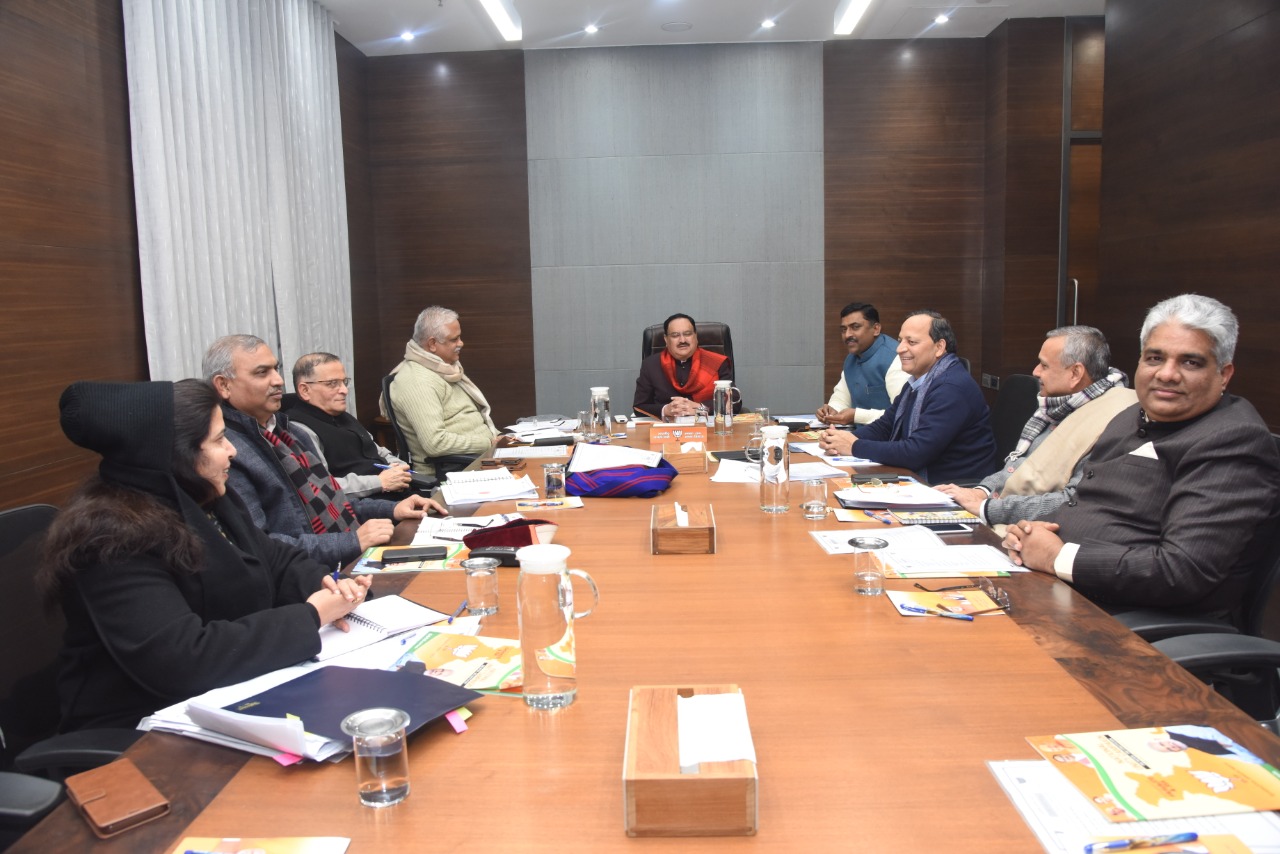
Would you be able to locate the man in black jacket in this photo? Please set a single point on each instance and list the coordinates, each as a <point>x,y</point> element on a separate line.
<point>319,409</point>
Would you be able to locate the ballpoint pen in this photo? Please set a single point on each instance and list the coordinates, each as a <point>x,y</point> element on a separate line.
<point>1138,842</point>
<point>384,468</point>
<point>461,608</point>
<point>915,609</point>
<point>881,519</point>
<point>337,572</point>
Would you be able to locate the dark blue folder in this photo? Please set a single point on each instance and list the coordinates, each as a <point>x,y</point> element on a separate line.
<point>323,697</point>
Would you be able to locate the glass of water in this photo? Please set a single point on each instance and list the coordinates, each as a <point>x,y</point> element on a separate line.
<point>813,499</point>
<point>382,760</point>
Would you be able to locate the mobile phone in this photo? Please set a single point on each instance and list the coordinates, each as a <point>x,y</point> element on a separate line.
<point>948,528</point>
<point>415,553</point>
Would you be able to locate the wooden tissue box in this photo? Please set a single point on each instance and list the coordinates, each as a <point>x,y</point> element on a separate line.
<point>721,799</point>
<point>685,462</point>
<point>666,537</point>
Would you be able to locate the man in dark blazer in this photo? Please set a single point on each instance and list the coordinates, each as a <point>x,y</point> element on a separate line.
<point>1181,493</point>
<point>940,425</point>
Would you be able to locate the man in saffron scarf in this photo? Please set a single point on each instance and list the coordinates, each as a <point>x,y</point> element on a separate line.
<point>681,378</point>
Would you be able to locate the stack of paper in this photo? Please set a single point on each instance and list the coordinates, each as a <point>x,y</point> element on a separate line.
<point>592,457</point>
<point>900,495</point>
<point>477,487</point>
<point>447,530</point>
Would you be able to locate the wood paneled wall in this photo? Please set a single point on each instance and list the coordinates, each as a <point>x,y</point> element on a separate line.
<point>68,242</point>
<point>1190,184</point>
<point>451,212</point>
<point>1023,176</point>
<point>904,184</point>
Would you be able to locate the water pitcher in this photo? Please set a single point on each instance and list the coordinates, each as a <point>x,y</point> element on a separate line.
<point>544,601</point>
<point>775,473</point>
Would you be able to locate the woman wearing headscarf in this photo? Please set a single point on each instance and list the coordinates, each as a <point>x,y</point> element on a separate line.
<point>168,588</point>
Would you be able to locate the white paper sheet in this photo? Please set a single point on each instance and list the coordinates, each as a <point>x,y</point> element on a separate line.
<point>713,728</point>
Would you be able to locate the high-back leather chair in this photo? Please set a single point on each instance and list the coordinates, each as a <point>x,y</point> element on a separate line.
<point>1014,405</point>
<point>712,335</point>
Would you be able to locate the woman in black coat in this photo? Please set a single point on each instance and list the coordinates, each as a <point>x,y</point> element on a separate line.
<point>168,588</point>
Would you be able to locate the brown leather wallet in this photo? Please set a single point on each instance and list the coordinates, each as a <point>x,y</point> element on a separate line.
<point>115,797</point>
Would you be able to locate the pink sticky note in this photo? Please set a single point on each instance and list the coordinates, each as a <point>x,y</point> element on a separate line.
<point>287,759</point>
<point>455,720</point>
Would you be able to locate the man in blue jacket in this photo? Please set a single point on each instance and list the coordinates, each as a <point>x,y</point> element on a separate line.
<point>871,377</point>
<point>940,426</point>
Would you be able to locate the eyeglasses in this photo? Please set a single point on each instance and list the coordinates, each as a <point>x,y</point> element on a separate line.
<point>998,595</point>
<point>332,385</point>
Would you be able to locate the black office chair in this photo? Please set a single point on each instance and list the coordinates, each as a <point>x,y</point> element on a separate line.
<point>29,711</point>
<point>441,466</point>
<point>712,335</point>
<point>1014,405</point>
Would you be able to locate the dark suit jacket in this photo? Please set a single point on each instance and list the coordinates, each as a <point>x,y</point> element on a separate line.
<point>952,443</point>
<point>1182,531</point>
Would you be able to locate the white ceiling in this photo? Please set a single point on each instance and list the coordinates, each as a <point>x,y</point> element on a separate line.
<point>439,26</point>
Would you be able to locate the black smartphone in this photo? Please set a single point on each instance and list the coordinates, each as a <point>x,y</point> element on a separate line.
<point>944,528</point>
<point>414,553</point>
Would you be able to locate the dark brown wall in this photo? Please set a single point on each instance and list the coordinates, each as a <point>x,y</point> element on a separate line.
<point>1023,176</point>
<point>1190,184</point>
<point>903,129</point>
<point>451,211</point>
<point>68,244</point>
<point>353,92</point>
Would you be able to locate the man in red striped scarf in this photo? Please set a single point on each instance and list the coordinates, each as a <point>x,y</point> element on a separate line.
<point>279,476</point>
<point>681,378</point>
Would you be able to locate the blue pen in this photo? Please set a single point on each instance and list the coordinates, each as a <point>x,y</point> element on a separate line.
<point>384,468</point>
<point>882,519</point>
<point>459,611</point>
<point>915,609</point>
<point>1138,842</point>
<point>337,572</point>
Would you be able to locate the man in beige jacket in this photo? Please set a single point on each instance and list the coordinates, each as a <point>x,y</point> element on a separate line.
<point>1079,395</point>
<point>439,409</point>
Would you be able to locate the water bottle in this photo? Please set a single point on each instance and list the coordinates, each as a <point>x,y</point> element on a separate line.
<point>722,407</point>
<point>601,417</point>
<point>775,470</point>
<point>544,601</point>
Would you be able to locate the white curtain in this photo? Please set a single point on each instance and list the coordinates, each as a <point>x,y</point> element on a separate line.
<point>238,178</point>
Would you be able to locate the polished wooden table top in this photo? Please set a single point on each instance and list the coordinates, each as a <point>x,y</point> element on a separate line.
<point>872,730</point>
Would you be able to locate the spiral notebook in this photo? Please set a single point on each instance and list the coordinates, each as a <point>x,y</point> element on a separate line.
<point>373,621</point>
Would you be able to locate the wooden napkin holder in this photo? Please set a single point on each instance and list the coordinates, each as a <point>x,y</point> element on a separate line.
<point>666,537</point>
<point>685,462</point>
<point>721,799</point>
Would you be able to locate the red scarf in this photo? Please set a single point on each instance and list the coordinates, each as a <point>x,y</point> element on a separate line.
<point>704,370</point>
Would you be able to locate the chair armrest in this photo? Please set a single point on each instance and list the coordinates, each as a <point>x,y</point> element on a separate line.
<point>75,751</point>
<point>24,799</point>
<point>1152,625</point>
<point>1209,651</point>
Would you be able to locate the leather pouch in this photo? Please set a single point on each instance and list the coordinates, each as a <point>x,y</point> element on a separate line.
<point>115,797</point>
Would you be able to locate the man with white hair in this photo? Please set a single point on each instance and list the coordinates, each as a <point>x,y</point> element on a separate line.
<point>1181,493</point>
<point>438,408</point>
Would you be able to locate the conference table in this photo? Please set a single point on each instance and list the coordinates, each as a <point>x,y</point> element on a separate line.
<point>872,730</point>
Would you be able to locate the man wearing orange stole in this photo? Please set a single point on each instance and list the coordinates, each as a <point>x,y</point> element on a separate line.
<point>682,377</point>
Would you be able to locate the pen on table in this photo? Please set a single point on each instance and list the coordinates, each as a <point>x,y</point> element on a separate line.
<point>915,609</point>
<point>461,608</point>
<point>884,520</point>
<point>1138,842</point>
<point>384,468</point>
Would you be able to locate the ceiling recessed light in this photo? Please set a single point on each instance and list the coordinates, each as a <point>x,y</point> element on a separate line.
<point>677,26</point>
<point>941,19</point>
<point>505,18</point>
<point>767,24</point>
<point>591,28</point>
<point>406,36</point>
